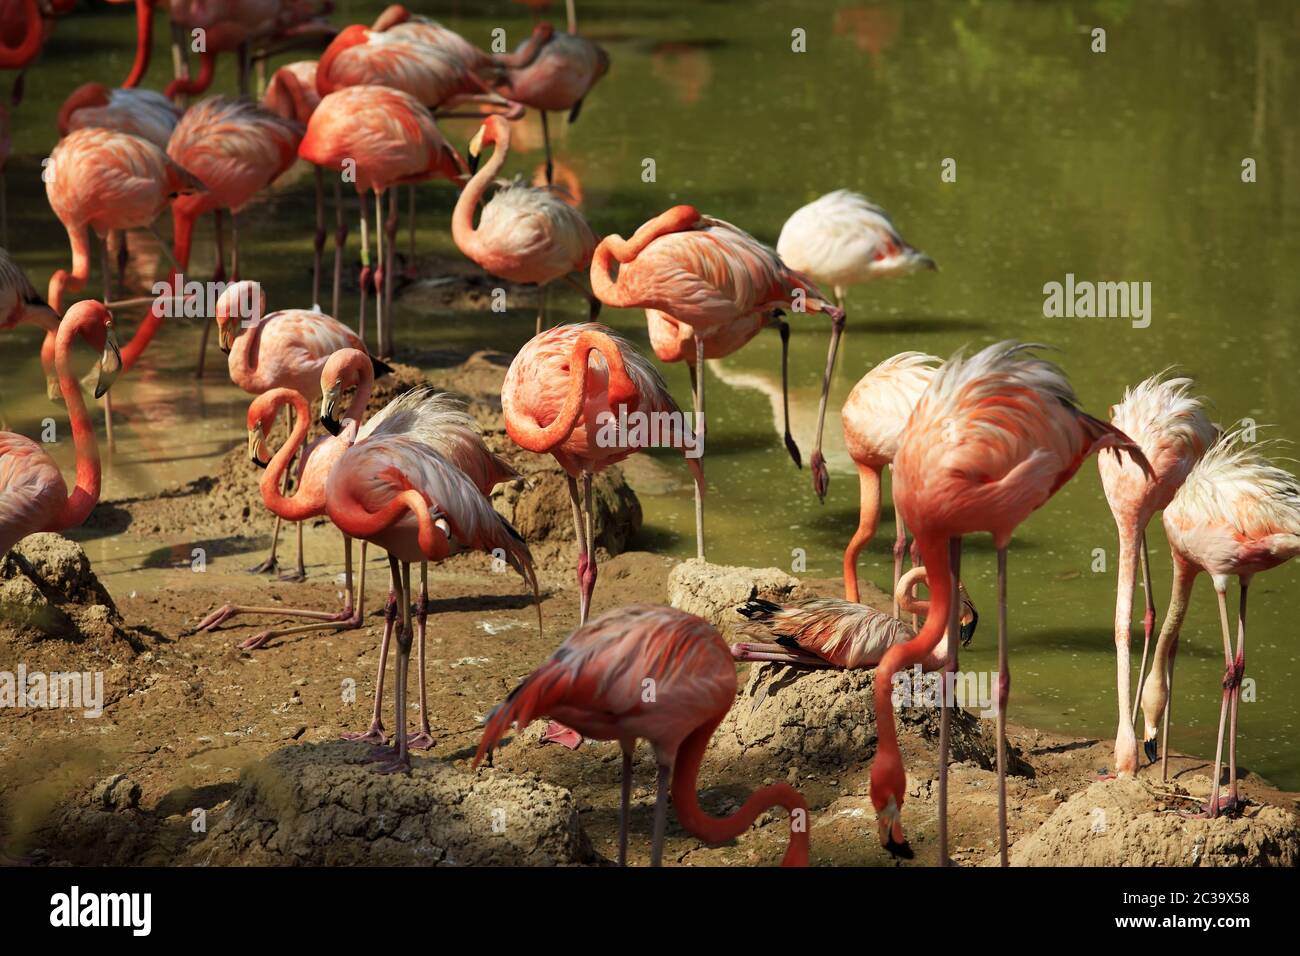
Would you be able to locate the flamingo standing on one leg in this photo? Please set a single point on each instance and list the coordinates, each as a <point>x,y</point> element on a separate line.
<point>1173,431</point>
<point>1237,514</point>
<point>988,443</point>
<point>33,494</point>
<point>384,137</point>
<point>839,240</point>
<point>833,633</point>
<point>705,273</point>
<point>596,682</point>
<point>285,349</point>
<point>399,493</point>
<point>440,422</point>
<point>873,417</point>
<point>236,149</point>
<point>525,234</point>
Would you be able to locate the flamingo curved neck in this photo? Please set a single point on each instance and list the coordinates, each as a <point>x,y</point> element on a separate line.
<point>143,43</point>
<point>533,437</point>
<point>17,57</point>
<point>86,491</point>
<point>297,507</point>
<point>462,218</point>
<point>207,67</point>
<point>615,248</point>
<point>351,517</point>
<point>74,281</point>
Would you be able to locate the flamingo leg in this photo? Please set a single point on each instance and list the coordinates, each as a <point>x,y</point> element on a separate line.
<point>1169,704</point>
<point>218,275</point>
<point>868,520</point>
<point>424,739</point>
<point>945,713</point>
<point>1220,589</point>
<point>344,620</point>
<point>375,733</point>
<point>234,247</point>
<point>1148,619</point>
<point>1004,691</point>
<point>270,565</point>
<point>783,327</point>
<point>580,533</point>
<point>318,240</point>
<point>820,476</point>
<point>401,762</point>
<point>661,811</point>
<point>123,254</point>
<point>624,804</point>
<point>593,304</point>
<point>411,271</point>
<point>367,277</point>
<point>180,59</point>
<point>900,552</point>
<point>390,263</point>
<point>298,574</point>
<point>591,537</point>
<point>382,333</point>
<point>775,652</point>
<point>108,297</point>
<point>556,732</point>
<point>1238,672</point>
<point>546,138</point>
<point>541,307</point>
<point>697,383</point>
<point>340,240</point>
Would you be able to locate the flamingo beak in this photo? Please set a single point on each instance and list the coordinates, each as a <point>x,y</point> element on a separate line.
<point>475,148</point>
<point>256,446</point>
<point>52,390</point>
<point>330,399</point>
<point>890,829</point>
<point>969,621</point>
<point>110,362</point>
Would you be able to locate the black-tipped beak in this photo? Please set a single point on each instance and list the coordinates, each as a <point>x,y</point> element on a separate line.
<point>331,424</point>
<point>259,463</point>
<point>968,628</point>
<point>1149,748</point>
<point>471,160</point>
<point>902,851</point>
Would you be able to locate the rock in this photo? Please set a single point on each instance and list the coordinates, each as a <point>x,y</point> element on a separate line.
<point>1122,823</point>
<point>323,805</point>
<point>47,589</point>
<point>117,792</point>
<point>713,591</point>
<point>538,506</point>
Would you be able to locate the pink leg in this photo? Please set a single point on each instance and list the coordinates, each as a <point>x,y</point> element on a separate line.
<point>424,739</point>
<point>375,733</point>
<point>1212,808</point>
<point>401,760</point>
<point>775,652</point>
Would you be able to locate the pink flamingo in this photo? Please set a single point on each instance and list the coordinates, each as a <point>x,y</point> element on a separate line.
<point>873,417</point>
<point>705,273</point>
<point>552,72</point>
<point>384,137</point>
<point>33,495</point>
<point>398,21</point>
<point>525,234</point>
<point>285,349</point>
<point>400,493</point>
<point>596,681</point>
<point>236,149</point>
<point>844,239</point>
<point>831,633</point>
<point>1173,431</point>
<point>1236,514</point>
<point>989,442</point>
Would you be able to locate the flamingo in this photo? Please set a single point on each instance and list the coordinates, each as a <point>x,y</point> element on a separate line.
<point>554,401</point>
<point>442,424</point>
<point>1237,514</point>
<point>674,341</point>
<point>1173,431</point>
<point>20,303</point>
<point>398,21</point>
<point>383,137</point>
<point>989,442</point>
<point>844,239</point>
<point>832,633</point>
<point>236,149</point>
<point>552,72</point>
<point>525,234</point>
<point>285,349</point>
<point>33,495</point>
<point>705,273</point>
<point>597,682</point>
<point>107,180</point>
<point>873,417</point>
<point>400,493</point>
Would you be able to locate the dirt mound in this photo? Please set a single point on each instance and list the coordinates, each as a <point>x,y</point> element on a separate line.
<point>322,805</point>
<point>48,590</point>
<point>713,591</point>
<point>1124,823</point>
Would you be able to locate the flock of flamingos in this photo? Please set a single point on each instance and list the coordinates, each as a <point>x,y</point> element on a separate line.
<point>974,443</point>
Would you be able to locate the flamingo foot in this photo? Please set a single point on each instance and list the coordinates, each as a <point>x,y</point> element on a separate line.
<point>401,764</point>
<point>257,640</point>
<point>1149,748</point>
<point>1228,805</point>
<point>294,577</point>
<point>902,851</point>
<point>269,566</point>
<point>373,735</point>
<point>821,478</point>
<point>421,741</point>
<point>557,733</point>
<point>216,618</point>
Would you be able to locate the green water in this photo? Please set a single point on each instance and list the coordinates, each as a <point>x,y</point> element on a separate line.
<point>1122,165</point>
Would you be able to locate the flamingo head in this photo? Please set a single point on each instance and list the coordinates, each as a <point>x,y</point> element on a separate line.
<point>110,360</point>
<point>86,95</point>
<point>494,131</point>
<point>393,15</point>
<point>888,785</point>
<point>343,370</point>
<point>241,306</point>
<point>350,36</point>
<point>261,419</point>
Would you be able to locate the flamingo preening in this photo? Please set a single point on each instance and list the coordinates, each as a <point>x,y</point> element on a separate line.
<point>839,240</point>
<point>596,682</point>
<point>1173,431</point>
<point>989,442</point>
<point>33,494</point>
<point>1236,514</point>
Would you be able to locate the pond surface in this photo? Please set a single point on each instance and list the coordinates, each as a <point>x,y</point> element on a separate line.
<point>1117,166</point>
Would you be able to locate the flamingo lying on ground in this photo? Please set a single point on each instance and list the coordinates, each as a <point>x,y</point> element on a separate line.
<point>525,235</point>
<point>439,422</point>
<point>705,273</point>
<point>833,633</point>
<point>285,349</point>
<point>1173,431</point>
<point>551,72</point>
<point>844,239</point>
<point>596,681</point>
<point>400,493</point>
<point>33,494</point>
<point>236,149</point>
<point>989,442</point>
<point>1237,514</point>
<point>384,137</point>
